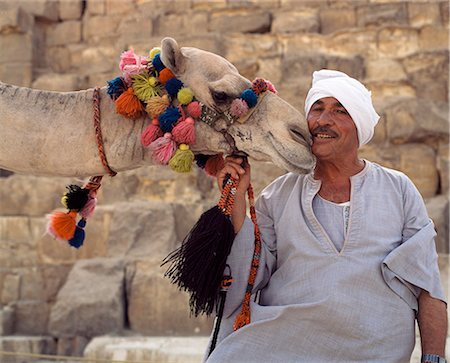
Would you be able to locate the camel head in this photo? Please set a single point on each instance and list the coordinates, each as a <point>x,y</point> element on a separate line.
<point>274,131</point>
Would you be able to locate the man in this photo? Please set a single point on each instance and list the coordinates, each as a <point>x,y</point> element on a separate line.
<point>348,259</point>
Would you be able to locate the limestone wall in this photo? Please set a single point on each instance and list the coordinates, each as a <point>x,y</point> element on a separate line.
<point>399,49</point>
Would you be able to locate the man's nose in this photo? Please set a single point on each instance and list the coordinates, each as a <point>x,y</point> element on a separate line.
<point>325,118</point>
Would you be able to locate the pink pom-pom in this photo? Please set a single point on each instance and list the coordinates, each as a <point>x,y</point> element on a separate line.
<point>184,132</point>
<point>89,208</point>
<point>151,133</point>
<point>271,87</point>
<point>194,109</point>
<point>163,149</point>
<point>238,107</point>
<point>128,58</point>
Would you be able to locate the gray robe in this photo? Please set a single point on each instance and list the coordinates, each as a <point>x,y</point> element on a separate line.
<point>320,305</point>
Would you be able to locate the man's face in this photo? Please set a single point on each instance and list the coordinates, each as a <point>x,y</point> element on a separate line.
<point>332,129</point>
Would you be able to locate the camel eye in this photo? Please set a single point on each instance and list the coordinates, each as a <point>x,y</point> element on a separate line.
<point>219,97</point>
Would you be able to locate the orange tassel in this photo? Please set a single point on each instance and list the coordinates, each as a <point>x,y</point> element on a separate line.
<point>165,75</point>
<point>214,164</point>
<point>129,105</point>
<point>62,225</point>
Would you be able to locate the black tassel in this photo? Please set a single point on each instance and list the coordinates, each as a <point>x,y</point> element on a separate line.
<point>197,266</point>
<point>77,197</point>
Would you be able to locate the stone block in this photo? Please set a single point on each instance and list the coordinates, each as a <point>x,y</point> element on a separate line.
<point>354,42</point>
<point>270,68</point>
<point>433,38</point>
<point>422,13</point>
<point>385,69</point>
<point>414,120</point>
<point>95,28</point>
<point>99,59</point>
<point>16,48</point>
<point>11,289</point>
<point>444,166</point>
<point>58,59</point>
<point>47,10</point>
<point>382,14</point>
<point>155,306</point>
<point>114,7</point>
<point>31,317</point>
<point>19,74</point>
<point>32,286</point>
<point>295,21</point>
<point>72,346</point>
<point>130,33</point>
<point>57,82</point>
<point>26,344</point>
<point>240,21</point>
<point>251,46</point>
<point>294,67</point>
<point>209,4</point>
<point>63,33</point>
<point>91,302</point>
<point>332,20</point>
<point>54,277</point>
<point>70,9</point>
<point>15,229</point>
<point>437,208</point>
<point>13,19</point>
<point>193,23</point>
<point>397,42</point>
<point>6,321</point>
<point>444,7</point>
<point>97,7</point>
<point>354,66</point>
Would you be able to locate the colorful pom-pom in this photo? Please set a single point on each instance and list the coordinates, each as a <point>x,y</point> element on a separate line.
<point>157,63</point>
<point>162,149</point>
<point>88,210</point>
<point>145,86</point>
<point>79,235</point>
<point>116,87</point>
<point>153,52</point>
<point>129,105</point>
<point>182,160</point>
<point>250,97</point>
<point>214,164</point>
<point>157,105</point>
<point>173,85</point>
<point>62,225</point>
<point>185,96</point>
<point>165,75</point>
<point>271,87</point>
<point>194,109</point>
<point>238,107</point>
<point>151,133</point>
<point>168,118</point>
<point>259,86</point>
<point>184,132</point>
<point>76,197</point>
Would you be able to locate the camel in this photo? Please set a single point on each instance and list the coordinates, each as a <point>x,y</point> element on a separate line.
<point>51,133</point>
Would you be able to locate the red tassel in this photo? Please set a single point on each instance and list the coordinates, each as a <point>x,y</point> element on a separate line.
<point>214,164</point>
<point>151,133</point>
<point>194,109</point>
<point>184,132</point>
<point>163,149</point>
<point>62,225</point>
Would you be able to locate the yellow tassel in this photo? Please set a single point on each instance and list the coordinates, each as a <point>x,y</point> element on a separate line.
<point>64,200</point>
<point>157,105</point>
<point>185,96</point>
<point>182,160</point>
<point>145,86</point>
<point>153,52</point>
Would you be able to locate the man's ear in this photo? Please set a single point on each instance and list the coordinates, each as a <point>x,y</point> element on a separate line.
<point>171,56</point>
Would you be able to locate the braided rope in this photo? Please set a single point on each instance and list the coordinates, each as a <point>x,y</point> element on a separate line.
<point>98,132</point>
<point>244,316</point>
<point>226,201</point>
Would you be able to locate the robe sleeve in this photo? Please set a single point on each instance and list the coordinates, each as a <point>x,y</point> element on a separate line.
<point>413,265</point>
<point>241,255</point>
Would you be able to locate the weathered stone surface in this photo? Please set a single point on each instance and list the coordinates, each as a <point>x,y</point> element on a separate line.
<point>72,346</point>
<point>353,66</point>
<point>433,38</point>
<point>18,254</point>
<point>295,21</point>
<point>238,48</point>
<point>397,42</point>
<point>437,208</point>
<point>355,42</point>
<point>44,9</point>
<point>382,14</point>
<point>385,69</point>
<point>95,28</point>
<point>98,59</point>
<point>19,74</point>
<point>31,317</point>
<point>91,301</point>
<point>26,344</point>
<point>57,82</point>
<point>178,24</point>
<point>152,349</point>
<point>64,33</point>
<point>114,7</point>
<point>130,33</point>
<point>444,166</point>
<point>14,19</point>
<point>97,7</point>
<point>243,21</point>
<point>332,20</point>
<point>70,10</point>
<point>412,120</point>
<point>11,289</point>
<point>58,59</point>
<point>155,306</point>
<point>424,13</point>
<point>6,321</point>
<point>20,48</point>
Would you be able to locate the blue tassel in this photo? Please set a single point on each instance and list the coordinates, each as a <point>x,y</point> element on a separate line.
<point>168,118</point>
<point>157,63</point>
<point>250,97</point>
<point>173,85</point>
<point>78,238</point>
<point>116,87</point>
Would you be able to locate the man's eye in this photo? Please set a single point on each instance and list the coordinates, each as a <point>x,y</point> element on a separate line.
<point>220,96</point>
<point>344,112</point>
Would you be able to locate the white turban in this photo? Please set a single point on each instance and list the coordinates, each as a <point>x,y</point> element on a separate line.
<point>351,94</point>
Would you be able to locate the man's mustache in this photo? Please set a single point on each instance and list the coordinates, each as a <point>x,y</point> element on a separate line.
<point>323,130</point>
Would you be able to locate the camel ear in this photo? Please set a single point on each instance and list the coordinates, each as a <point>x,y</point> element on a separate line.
<point>171,56</point>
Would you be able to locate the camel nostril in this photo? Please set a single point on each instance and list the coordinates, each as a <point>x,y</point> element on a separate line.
<point>300,136</point>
